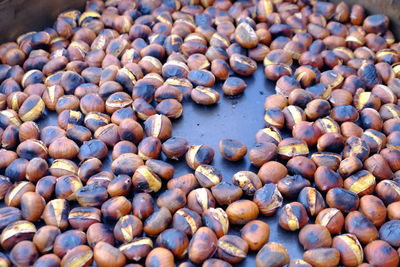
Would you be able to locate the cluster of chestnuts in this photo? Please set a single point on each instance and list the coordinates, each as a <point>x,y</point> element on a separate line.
<point>116,75</point>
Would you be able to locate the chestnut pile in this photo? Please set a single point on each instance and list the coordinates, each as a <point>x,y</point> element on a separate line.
<point>116,75</point>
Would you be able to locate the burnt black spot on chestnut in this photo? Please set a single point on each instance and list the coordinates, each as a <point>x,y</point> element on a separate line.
<point>369,75</point>
<point>330,175</point>
<point>93,148</point>
<point>173,71</point>
<point>290,186</point>
<point>281,30</point>
<point>254,227</point>
<point>344,113</point>
<point>16,170</point>
<point>34,77</point>
<point>312,238</point>
<point>77,132</point>
<point>323,107</point>
<point>235,82</point>
<point>366,121</point>
<point>377,23</point>
<point>70,80</point>
<point>201,77</point>
<point>144,90</point>
<point>203,154</point>
<point>317,90</point>
<point>390,232</point>
<point>362,222</point>
<point>342,199</point>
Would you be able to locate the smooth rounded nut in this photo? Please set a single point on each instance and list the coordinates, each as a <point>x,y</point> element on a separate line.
<point>202,245</point>
<point>116,207</point>
<point>245,35</point>
<point>161,257</point>
<point>49,260</point>
<point>226,193</point>
<point>233,86</point>
<point>380,253</point>
<point>242,211</point>
<point>342,199</point>
<point>272,172</point>
<point>272,254</point>
<point>67,241</point>
<point>389,232</point>
<point>374,209</point>
<point>255,233</point>
<point>320,257</point>
<point>175,241</point>
<point>32,206</point>
<point>232,150</point>
<point>24,253</point>
<point>315,236</point>
<point>291,186</point>
<point>157,222</point>
<point>105,255</point>
<point>172,199</point>
<point>262,153</point>
<point>9,215</point>
<point>175,147</point>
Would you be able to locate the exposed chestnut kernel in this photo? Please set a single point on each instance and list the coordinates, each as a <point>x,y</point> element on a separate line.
<point>268,199</point>
<point>332,219</point>
<point>312,200</point>
<point>293,216</point>
<point>232,249</point>
<point>351,252</point>
<point>199,154</point>
<point>361,183</point>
